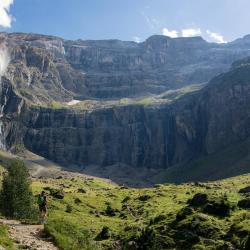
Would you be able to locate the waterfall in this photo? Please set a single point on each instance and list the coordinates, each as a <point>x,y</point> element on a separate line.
<point>4,62</point>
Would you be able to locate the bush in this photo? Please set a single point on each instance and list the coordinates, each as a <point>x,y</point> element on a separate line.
<point>220,208</point>
<point>16,196</point>
<point>110,211</point>
<point>104,234</point>
<point>147,240</point>
<point>77,201</point>
<point>68,209</point>
<point>199,225</point>
<point>183,213</point>
<point>144,197</point>
<point>198,200</point>
<point>157,219</point>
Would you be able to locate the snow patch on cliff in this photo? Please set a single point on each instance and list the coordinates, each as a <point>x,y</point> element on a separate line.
<point>73,102</point>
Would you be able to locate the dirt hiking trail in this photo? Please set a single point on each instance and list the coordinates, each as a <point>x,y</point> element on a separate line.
<point>28,236</point>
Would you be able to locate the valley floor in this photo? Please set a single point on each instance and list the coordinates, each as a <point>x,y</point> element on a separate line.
<point>93,213</point>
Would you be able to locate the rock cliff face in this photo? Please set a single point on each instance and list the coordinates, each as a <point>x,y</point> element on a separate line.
<point>46,69</point>
<point>154,136</point>
<point>49,68</point>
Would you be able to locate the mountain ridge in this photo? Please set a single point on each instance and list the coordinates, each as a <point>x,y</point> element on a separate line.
<point>115,69</point>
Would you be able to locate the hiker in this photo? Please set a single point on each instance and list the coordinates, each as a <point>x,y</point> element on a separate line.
<point>42,202</point>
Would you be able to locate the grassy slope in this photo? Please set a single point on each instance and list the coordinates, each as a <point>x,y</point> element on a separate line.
<point>231,161</point>
<point>78,228</point>
<point>5,241</point>
<point>134,215</point>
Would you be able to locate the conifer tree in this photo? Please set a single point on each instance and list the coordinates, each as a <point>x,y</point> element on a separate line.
<point>16,195</point>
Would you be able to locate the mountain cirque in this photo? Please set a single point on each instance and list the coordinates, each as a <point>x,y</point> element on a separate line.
<point>164,127</point>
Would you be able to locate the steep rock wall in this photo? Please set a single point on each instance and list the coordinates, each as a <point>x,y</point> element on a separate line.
<point>49,68</point>
<point>157,136</point>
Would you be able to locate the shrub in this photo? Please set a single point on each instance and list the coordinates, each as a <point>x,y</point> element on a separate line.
<point>220,208</point>
<point>183,213</point>
<point>104,234</point>
<point>16,196</point>
<point>144,197</point>
<point>158,218</point>
<point>200,225</point>
<point>147,240</point>
<point>199,199</point>
<point>110,211</point>
<point>126,199</point>
<point>68,209</point>
<point>77,201</point>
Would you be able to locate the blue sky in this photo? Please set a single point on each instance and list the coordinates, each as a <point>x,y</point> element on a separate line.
<point>215,20</point>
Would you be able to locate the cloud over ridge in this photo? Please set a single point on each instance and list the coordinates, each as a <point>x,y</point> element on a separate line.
<point>170,33</point>
<point>191,32</point>
<point>216,37</point>
<point>5,17</point>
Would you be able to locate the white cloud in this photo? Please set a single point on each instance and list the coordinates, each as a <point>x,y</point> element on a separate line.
<point>170,33</point>
<point>5,17</point>
<point>137,39</point>
<point>216,37</point>
<point>191,32</point>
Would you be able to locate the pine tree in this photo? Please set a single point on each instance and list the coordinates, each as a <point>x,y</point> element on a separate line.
<point>16,195</point>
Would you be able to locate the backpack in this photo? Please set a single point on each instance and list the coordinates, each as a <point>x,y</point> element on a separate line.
<point>40,200</point>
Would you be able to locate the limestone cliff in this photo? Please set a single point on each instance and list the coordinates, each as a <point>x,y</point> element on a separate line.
<point>152,136</point>
<point>46,68</point>
<point>157,135</point>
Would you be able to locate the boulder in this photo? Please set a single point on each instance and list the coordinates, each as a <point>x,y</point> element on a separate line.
<point>245,203</point>
<point>58,195</point>
<point>81,190</point>
<point>245,190</point>
<point>144,197</point>
<point>198,199</point>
